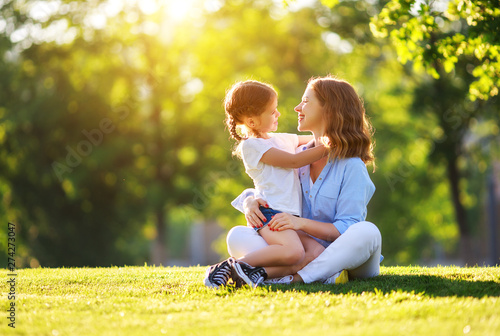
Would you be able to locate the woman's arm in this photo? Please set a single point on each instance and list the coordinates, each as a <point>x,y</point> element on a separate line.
<point>355,193</point>
<point>278,158</point>
<point>321,230</point>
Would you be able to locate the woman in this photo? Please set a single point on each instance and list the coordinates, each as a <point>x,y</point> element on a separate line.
<point>335,193</point>
<point>335,190</point>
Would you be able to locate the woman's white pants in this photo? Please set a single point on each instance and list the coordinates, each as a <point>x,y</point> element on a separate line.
<point>356,250</point>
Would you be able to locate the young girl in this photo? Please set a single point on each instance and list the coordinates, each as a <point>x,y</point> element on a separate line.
<point>269,159</point>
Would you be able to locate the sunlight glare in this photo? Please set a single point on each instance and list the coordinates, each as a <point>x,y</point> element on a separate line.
<point>179,10</point>
<point>113,7</point>
<point>213,5</point>
<point>42,10</point>
<point>294,6</point>
<point>335,43</point>
<point>96,20</point>
<point>3,25</point>
<point>149,7</point>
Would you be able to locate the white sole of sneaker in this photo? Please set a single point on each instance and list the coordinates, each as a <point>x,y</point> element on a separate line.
<point>209,284</point>
<point>286,280</point>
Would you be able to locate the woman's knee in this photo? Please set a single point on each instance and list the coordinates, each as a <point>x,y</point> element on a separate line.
<point>367,237</point>
<point>369,230</point>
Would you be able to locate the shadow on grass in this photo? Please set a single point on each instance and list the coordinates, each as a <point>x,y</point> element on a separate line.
<point>429,285</point>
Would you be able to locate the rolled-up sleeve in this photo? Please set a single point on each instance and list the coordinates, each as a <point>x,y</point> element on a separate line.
<point>237,203</point>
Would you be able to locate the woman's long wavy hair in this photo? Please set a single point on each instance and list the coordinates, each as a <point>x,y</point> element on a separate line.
<point>246,99</point>
<point>348,129</point>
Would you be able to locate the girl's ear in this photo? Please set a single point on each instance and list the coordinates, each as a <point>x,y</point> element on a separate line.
<point>250,123</point>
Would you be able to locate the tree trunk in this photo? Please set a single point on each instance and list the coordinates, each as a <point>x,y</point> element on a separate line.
<point>159,249</point>
<point>450,149</point>
<point>159,254</point>
<point>466,251</point>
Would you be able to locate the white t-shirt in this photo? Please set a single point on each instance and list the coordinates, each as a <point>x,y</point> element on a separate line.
<point>280,187</point>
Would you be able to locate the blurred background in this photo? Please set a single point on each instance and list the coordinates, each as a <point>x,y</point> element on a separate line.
<point>113,149</point>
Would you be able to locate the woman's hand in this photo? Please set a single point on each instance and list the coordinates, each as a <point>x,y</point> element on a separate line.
<point>253,215</point>
<point>285,221</point>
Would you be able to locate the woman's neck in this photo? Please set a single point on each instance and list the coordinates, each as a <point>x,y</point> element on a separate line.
<point>317,167</point>
<point>317,137</point>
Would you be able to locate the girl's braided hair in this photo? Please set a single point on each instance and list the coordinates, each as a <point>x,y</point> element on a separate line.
<point>246,99</point>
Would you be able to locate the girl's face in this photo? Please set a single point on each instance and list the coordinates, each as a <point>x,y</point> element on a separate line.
<point>310,113</point>
<point>268,120</point>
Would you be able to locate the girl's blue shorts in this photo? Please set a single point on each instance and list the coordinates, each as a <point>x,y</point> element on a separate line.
<point>268,213</point>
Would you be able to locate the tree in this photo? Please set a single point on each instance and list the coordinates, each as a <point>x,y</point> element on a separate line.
<point>459,48</point>
<point>436,38</point>
<point>100,141</point>
<point>62,143</point>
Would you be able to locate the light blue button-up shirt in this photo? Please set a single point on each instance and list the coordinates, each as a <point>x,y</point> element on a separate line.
<point>339,195</point>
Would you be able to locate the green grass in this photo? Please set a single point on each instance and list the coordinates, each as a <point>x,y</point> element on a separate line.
<point>173,301</point>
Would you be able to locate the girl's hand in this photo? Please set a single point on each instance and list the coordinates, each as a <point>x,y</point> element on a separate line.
<point>284,221</point>
<point>253,215</point>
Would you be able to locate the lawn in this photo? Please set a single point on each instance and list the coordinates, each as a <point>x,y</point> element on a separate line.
<point>173,301</point>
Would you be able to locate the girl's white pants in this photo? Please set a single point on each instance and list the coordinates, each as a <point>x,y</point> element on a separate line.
<point>356,250</point>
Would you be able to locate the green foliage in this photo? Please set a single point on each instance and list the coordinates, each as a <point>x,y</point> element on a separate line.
<point>157,300</point>
<point>428,35</point>
<point>91,123</point>
<point>458,47</point>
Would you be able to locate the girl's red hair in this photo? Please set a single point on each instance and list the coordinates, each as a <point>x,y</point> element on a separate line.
<point>246,99</point>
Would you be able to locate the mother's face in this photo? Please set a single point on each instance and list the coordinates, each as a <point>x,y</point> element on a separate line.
<point>310,113</point>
